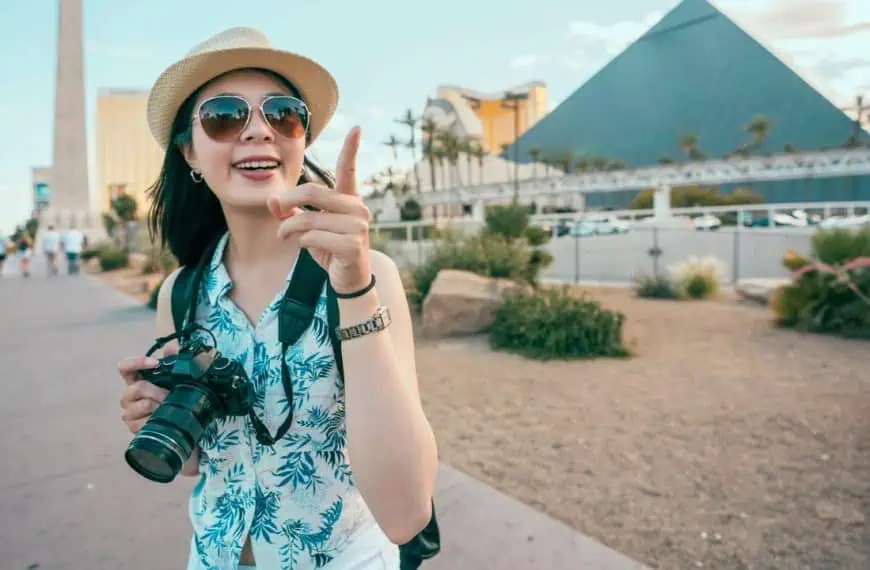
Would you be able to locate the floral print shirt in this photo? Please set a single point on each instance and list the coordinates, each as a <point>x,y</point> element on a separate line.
<point>296,500</point>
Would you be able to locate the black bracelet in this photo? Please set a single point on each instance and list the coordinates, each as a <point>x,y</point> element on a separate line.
<point>359,293</point>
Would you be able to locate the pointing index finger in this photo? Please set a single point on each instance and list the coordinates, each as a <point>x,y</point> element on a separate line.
<point>345,175</point>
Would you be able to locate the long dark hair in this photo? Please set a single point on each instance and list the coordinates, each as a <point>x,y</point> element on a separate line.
<point>186,216</point>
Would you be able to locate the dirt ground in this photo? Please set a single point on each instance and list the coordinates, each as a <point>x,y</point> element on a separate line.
<point>724,443</point>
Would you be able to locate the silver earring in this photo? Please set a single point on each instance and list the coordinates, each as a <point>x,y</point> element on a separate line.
<point>196,177</point>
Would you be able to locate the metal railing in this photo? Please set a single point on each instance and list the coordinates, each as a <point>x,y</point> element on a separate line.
<point>647,247</point>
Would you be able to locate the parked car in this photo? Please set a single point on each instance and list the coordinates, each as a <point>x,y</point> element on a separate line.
<point>707,222</point>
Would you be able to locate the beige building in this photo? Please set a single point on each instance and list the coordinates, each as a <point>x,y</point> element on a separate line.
<point>128,158</point>
<point>489,118</point>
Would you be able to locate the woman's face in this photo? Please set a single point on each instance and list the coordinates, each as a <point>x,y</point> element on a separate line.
<point>246,169</point>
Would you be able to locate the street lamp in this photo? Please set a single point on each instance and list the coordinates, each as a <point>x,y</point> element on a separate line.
<point>512,101</point>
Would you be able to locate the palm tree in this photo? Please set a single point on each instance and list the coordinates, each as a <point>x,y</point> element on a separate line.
<point>450,143</point>
<point>689,143</point>
<point>393,143</point>
<point>410,121</point>
<point>466,147</point>
<point>478,152</point>
<point>429,128</point>
<point>759,127</point>
<point>535,155</point>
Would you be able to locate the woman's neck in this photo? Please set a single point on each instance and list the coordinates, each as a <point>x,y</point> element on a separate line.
<point>253,241</point>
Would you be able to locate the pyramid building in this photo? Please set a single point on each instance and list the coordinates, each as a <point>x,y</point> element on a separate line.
<point>697,73</point>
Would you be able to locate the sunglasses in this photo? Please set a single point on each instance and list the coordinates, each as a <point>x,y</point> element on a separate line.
<point>225,117</point>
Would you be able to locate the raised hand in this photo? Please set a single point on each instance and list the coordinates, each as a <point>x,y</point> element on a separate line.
<point>337,236</point>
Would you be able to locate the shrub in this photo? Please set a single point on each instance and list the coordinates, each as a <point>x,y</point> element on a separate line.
<point>536,236</point>
<point>697,278</point>
<point>556,323</point>
<point>827,299</point>
<point>793,260</point>
<point>158,260</point>
<point>839,245</point>
<point>94,251</point>
<point>656,287</point>
<point>112,258</point>
<point>411,210</point>
<point>509,221</point>
<point>488,255</point>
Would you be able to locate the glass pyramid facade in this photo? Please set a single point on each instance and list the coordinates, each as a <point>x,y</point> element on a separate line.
<point>696,73</point>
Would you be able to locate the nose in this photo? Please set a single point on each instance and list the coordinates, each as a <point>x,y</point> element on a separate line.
<point>257,128</point>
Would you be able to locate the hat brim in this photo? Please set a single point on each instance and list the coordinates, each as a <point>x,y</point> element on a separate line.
<point>316,85</point>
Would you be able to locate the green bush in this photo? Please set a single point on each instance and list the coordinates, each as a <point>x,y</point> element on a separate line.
<point>509,221</point>
<point>839,245</point>
<point>830,290</point>
<point>94,251</point>
<point>411,211</point>
<point>656,287</point>
<point>822,302</point>
<point>556,323</point>
<point>112,258</point>
<point>488,255</point>
<point>537,236</point>
<point>158,260</point>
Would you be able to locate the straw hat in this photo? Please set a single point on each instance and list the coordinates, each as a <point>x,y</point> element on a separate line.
<point>232,49</point>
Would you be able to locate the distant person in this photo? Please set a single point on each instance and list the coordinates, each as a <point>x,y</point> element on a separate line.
<point>23,249</point>
<point>50,245</point>
<point>3,248</point>
<point>73,242</point>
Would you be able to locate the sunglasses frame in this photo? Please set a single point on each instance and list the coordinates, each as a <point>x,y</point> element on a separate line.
<point>197,117</point>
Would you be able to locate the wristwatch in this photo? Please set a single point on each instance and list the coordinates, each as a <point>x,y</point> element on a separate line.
<point>377,322</point>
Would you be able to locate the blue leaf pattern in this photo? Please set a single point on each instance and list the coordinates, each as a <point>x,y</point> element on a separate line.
<point>295,500</point>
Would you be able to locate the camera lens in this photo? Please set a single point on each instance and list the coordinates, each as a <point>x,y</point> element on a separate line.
<point>165,442</point>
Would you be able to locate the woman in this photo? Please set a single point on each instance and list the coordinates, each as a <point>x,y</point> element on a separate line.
<point>25,252</point>
<point>235,117</point>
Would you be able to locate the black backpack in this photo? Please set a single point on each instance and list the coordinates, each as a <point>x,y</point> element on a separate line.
<point>295,316</point>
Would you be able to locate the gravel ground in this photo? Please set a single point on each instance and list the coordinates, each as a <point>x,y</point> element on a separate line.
<point>725,443</point>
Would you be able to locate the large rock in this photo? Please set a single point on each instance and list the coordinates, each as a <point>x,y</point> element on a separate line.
<point>759,290</point>
<point>462,303</point>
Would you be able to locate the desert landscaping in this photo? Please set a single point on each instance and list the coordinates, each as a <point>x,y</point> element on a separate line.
<point>722,442</point>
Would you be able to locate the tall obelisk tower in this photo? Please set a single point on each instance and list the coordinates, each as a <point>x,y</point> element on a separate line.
<point>70,186</point>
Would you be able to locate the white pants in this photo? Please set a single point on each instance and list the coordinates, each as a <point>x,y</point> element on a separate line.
<point>371,550</point>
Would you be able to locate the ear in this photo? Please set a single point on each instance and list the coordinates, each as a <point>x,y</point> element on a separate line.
<point>186,149</point>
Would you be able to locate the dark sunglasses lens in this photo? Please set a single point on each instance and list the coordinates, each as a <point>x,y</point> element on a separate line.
<point>287,115</point>
<point>223,117</point>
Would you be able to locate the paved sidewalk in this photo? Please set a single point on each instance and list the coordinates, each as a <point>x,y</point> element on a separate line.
<point>70,502</point>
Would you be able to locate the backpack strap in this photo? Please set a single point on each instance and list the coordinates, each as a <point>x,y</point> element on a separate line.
<point>332,320</point>
<point>299,303</point>
<point>181,296</point>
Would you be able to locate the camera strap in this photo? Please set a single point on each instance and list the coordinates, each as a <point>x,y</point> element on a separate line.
<point>295,315</point>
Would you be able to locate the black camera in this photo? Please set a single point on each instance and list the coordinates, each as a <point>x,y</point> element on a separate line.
<point>203,386</point>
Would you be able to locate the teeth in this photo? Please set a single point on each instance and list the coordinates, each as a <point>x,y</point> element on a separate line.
<point>255,164</point>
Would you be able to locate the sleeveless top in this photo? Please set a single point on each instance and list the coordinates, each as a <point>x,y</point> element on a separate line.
<point>296,500</point>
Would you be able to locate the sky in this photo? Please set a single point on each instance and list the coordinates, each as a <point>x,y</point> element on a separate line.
<point>387,56</point>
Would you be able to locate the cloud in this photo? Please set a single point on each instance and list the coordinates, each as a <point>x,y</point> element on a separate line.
<point>611,38</point>
<point>529,60</point>
<point>803,19</point>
